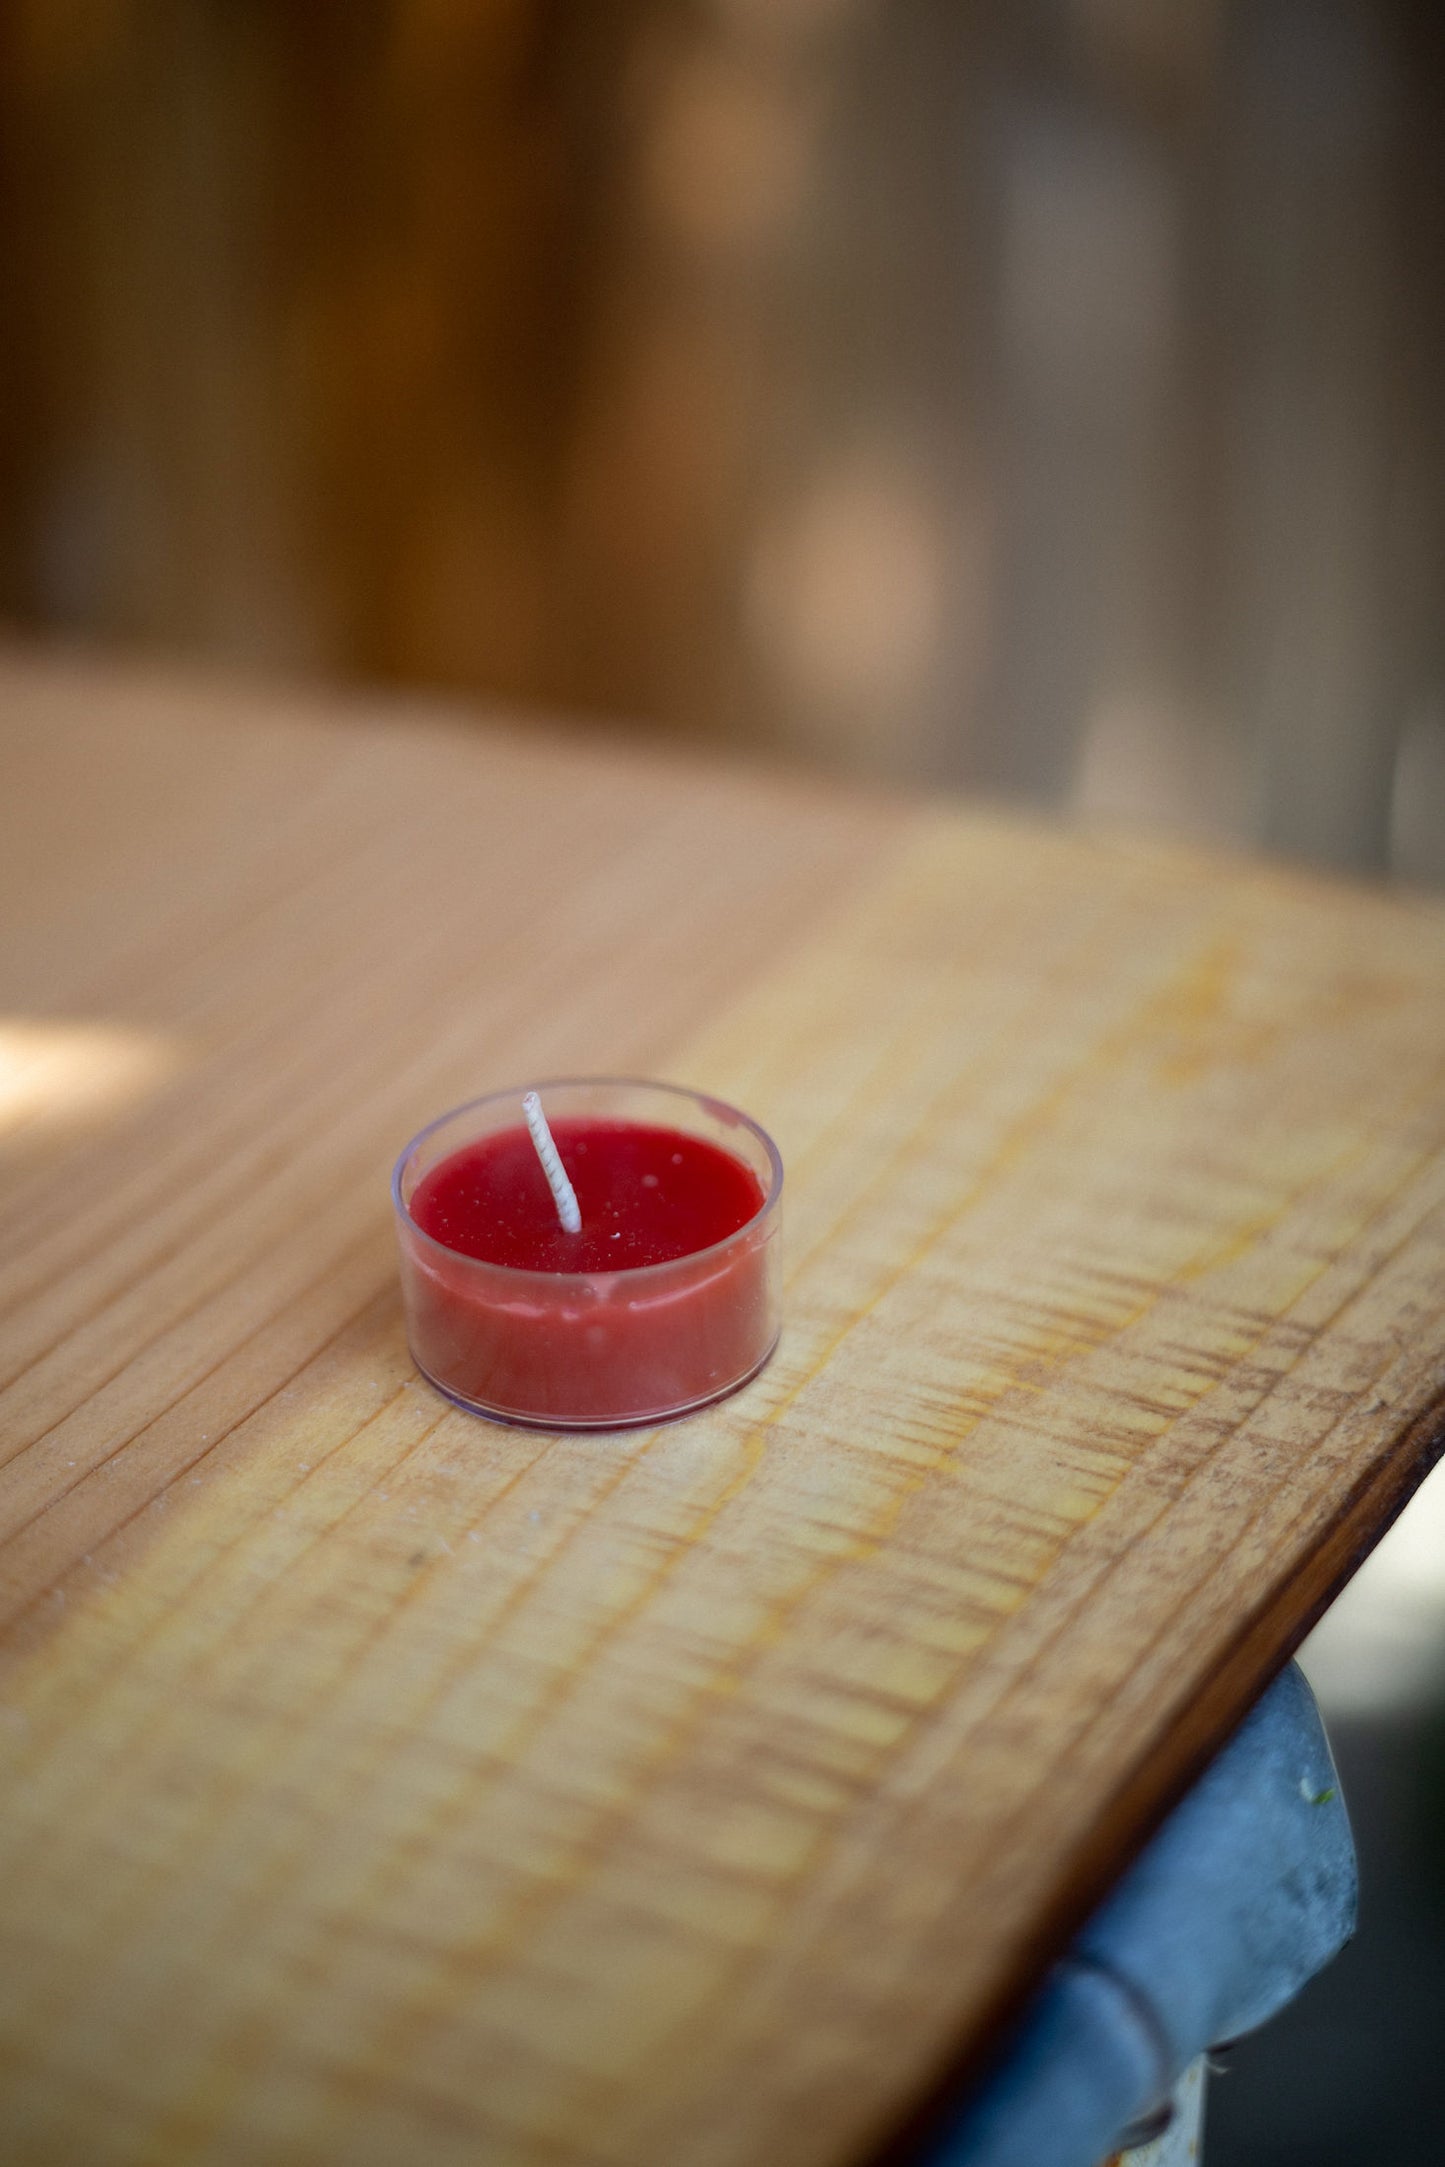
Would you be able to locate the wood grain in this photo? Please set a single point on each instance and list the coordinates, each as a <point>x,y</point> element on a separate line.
<point>380,1785</point>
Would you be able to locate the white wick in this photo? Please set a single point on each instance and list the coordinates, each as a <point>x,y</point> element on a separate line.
<point>564,1196</point>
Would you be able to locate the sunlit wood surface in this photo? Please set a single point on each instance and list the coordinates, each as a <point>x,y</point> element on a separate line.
<point>380,1786</point>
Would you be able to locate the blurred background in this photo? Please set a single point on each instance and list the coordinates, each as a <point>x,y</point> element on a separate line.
<point>1042,399</point>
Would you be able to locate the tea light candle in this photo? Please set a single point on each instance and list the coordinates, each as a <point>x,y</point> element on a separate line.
<point>594,1254</point>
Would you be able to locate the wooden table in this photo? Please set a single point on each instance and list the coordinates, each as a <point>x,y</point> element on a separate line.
<point>381,1787</point>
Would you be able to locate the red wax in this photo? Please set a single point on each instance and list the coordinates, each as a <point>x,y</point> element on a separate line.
<point>646,1195</point>
<point>665,1299</point>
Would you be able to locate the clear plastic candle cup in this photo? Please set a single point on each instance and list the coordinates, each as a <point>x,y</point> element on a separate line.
<point>552,1347</point>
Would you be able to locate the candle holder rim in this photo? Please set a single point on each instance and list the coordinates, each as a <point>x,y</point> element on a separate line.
<point>630,1274</point>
